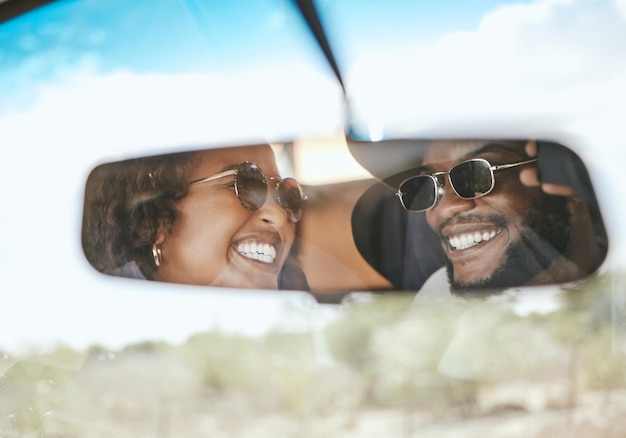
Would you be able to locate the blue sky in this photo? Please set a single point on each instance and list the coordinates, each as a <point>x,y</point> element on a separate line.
<point>191,34</point>
<point>355,26</point>
<point>184,36</point>
<point>151,36</point>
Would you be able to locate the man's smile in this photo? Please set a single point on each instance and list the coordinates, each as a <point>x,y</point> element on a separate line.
<point>474,249</point>
<point>462,241</point>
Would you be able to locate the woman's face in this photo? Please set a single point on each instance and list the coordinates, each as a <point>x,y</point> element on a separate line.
<point>214,237</point>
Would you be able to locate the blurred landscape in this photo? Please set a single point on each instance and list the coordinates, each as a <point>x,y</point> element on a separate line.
<point>388,366</point>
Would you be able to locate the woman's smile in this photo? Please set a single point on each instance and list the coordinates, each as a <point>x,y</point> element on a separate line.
<point>217,240</point>
<point>257,250</point>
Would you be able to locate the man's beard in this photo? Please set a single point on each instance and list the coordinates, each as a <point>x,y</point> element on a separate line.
<point>544,238</point>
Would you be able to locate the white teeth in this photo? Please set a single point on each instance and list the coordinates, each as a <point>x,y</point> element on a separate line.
<point>464,241</point>
<point>263,252</point>
<point>455,242</point>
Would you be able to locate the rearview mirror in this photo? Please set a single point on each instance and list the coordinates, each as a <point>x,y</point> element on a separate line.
<point>431,217</point>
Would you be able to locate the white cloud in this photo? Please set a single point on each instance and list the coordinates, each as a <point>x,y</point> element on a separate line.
<point>551,60</point>
<point>621,7</point>
<point>157,110</point>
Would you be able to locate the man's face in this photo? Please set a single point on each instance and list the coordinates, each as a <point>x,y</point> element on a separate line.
<point>505,238</point>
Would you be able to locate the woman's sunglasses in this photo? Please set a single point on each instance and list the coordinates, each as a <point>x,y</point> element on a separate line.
<point>251,188</point>
<point>470,180</point>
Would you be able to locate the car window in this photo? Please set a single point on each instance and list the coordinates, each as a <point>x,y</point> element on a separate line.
<point>88,87</point>
<point>184,76</point>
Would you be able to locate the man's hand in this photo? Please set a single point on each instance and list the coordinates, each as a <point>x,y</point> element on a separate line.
<point>530,177</point>
<point>582,248</point>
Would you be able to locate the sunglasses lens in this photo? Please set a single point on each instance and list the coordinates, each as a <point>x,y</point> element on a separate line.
<point>251,186</point>
<point>289,196</point>
<point>418,193</point>
<point>472,179</point>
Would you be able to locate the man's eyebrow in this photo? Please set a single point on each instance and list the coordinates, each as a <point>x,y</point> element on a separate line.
<point>423,168</point>
<point>496,147</point>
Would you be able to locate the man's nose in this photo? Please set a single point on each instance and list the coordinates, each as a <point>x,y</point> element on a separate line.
<point>451,204</point>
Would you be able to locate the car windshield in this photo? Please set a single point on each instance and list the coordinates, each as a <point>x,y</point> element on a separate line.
<point>179,64</point>
<point>120,120</point>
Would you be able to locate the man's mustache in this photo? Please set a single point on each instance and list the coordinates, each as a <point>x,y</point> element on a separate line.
<point>462,219</point>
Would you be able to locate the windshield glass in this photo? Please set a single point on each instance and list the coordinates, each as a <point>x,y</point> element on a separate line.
<point>88,85</point>
<point>166,72</point>
<point>425,68</point>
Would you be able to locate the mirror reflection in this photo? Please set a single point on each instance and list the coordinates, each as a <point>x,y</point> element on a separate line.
<point>220,217</point>
<point>474,216</point>
<point>433,217</point>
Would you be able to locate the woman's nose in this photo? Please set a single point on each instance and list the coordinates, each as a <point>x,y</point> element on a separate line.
<point>272,213</point>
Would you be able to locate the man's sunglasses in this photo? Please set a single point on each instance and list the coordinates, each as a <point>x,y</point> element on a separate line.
<point>470,179</point>
<point>251,188</point>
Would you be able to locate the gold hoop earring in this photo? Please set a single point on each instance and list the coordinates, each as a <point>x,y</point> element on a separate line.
<point>157,255</point>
